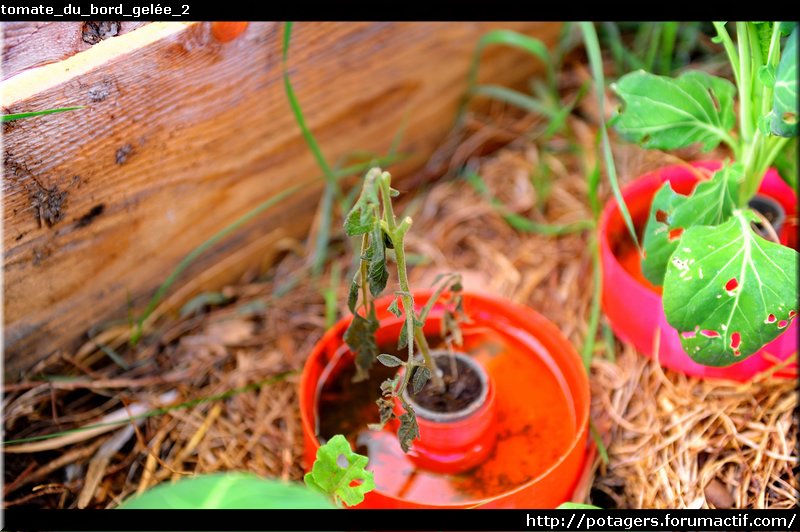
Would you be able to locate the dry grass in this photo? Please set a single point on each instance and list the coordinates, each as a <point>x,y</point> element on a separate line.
<point>673,441</point>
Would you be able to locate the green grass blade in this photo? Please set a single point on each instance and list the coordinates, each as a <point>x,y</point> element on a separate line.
<point>596,64</point>
<point>608,338</point>
<point>274,379</point>
<point>601,447</point>
<point>523,101</point>
<point>17,116</point>
<point>513,39</point>
<point>667,48</point>
<point>654,39</point>
<point>594,314</point>
<point>236,224</point>
<point>287,39</point>
<point>559,120</point>
<point>521,223</point>
<point>329,295</point>
<point>613,40</point>
<point>593,181</point>
<point>320,253</point>
<point>332,187</point>
<point>199,250</point>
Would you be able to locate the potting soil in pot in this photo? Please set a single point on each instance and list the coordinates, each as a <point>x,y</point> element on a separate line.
<point>536,421</point>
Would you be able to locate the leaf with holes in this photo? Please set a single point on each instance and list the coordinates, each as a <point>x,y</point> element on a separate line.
<point>360,337</point>
<point>711,203</point>
<point>340,473</point>
<point>665,113</point>
<point>227,491</point>
<point>728,291</point>
<point>784,96</point>
<point>409,429</point>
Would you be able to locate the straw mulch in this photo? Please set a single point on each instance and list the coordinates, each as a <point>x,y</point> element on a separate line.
<point>672,441</point>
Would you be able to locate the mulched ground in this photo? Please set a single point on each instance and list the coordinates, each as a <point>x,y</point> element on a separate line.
<point>233,366</point>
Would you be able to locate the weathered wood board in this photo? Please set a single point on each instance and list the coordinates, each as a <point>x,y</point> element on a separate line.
<point>31,44</point>
<point>182,134</point>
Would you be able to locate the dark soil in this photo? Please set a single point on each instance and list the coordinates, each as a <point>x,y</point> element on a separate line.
<point>461,388</point>
<point>771,210</point>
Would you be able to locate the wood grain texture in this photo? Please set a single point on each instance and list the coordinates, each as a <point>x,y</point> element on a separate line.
<point>182,134</point>
<point>31,44</point>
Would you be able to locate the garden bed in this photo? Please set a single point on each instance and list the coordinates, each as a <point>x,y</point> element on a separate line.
<point>672,441</point>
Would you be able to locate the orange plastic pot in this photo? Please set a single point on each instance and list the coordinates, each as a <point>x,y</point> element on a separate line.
<point>633,305</point>
<point>541,401</point>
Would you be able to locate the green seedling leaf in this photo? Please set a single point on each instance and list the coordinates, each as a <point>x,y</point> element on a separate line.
<point>659,240</point>
<point>228,491</point>
<point>784,103</point>
<point>671,213</point>
<point>390,361</point>
<point>421,376</point>
<point>352,295</point>
<point>409,429</point>
<point>516,98</point>
<point>200,301</point>
<point>340,473</point>
<point>728,291</point>
<point>667,114</point>
<point>576,506</point>
<point>360,337</point>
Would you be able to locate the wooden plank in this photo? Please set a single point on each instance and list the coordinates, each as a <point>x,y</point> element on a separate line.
<point>182,134</point>
<point>31,44</point>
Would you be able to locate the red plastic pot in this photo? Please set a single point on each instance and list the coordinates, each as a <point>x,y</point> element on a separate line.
<point>633,305</point>
<point>540,394</point>
<point>457,441</point>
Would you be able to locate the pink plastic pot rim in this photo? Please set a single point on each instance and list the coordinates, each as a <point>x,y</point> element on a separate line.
<point>772,186</point>
<point>420,298</point>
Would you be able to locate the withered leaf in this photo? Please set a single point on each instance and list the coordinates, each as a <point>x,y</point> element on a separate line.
<point>390,361</point>
<point>409,429</point>
<point>352,296</point>
<point>376,255</point>
<point>360,337</point>
<point>421,376</point>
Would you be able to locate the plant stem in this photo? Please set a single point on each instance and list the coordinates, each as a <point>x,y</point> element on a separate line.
<point>397,234</point>
<point>773,57</point>
<point>363,274</point>
<point>745,82</point>
<point>730,49</point>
